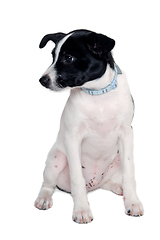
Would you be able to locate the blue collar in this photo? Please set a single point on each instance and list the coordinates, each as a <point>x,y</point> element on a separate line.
<point>110,87</point>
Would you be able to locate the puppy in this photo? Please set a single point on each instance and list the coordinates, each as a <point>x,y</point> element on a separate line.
<point>94,146</point>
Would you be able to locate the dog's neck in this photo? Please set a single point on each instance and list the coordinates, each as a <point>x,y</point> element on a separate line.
<point>102,82</point>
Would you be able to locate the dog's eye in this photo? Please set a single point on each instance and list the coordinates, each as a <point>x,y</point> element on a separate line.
<point>68,59</point>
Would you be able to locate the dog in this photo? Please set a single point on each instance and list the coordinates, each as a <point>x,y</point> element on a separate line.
<point>94,146</point>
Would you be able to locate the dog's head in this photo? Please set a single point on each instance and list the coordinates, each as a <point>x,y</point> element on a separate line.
<point>78,57</point>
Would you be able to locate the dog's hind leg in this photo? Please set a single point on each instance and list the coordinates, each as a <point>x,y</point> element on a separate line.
<point>115,187</point>
<point>114,177</point>
<point>55,164</point>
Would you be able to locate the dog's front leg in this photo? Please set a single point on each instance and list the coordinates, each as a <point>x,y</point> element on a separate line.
<point>81,211</point>
<point>133,206</point>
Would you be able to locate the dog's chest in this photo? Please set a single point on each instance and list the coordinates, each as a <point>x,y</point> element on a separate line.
<point>97,121</point>
<point>103,118</point>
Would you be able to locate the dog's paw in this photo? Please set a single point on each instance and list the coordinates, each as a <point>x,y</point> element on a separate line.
<point>43,203</point>
<point>82,215</point>
<point>133,208</point>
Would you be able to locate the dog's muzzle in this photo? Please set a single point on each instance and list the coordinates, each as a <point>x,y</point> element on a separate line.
<point>45,81</point>
<point>57,85</point>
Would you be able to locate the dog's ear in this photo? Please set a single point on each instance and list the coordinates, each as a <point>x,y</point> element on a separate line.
<point>53,37</point>
<point>100,45</point>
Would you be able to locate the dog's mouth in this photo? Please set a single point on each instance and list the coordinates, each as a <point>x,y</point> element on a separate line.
<point>61,83</point>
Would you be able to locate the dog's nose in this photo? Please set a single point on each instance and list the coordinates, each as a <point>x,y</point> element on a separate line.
<point>45,81</point>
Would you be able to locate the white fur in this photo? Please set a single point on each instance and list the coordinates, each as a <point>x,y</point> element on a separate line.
<point>92,130</point>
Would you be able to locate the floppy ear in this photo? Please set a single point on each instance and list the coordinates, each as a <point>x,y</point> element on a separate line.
<point>53,37</point>
<point>100,45</point>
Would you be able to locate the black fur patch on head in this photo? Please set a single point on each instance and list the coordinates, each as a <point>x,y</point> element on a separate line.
<point>83,57</point>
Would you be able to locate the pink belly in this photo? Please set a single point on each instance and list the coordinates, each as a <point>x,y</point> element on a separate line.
<point>95,175</point>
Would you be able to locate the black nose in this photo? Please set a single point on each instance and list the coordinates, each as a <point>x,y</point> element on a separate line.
<point>45,81</point>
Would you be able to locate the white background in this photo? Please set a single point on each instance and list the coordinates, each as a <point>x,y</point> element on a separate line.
<point>30,116</point>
